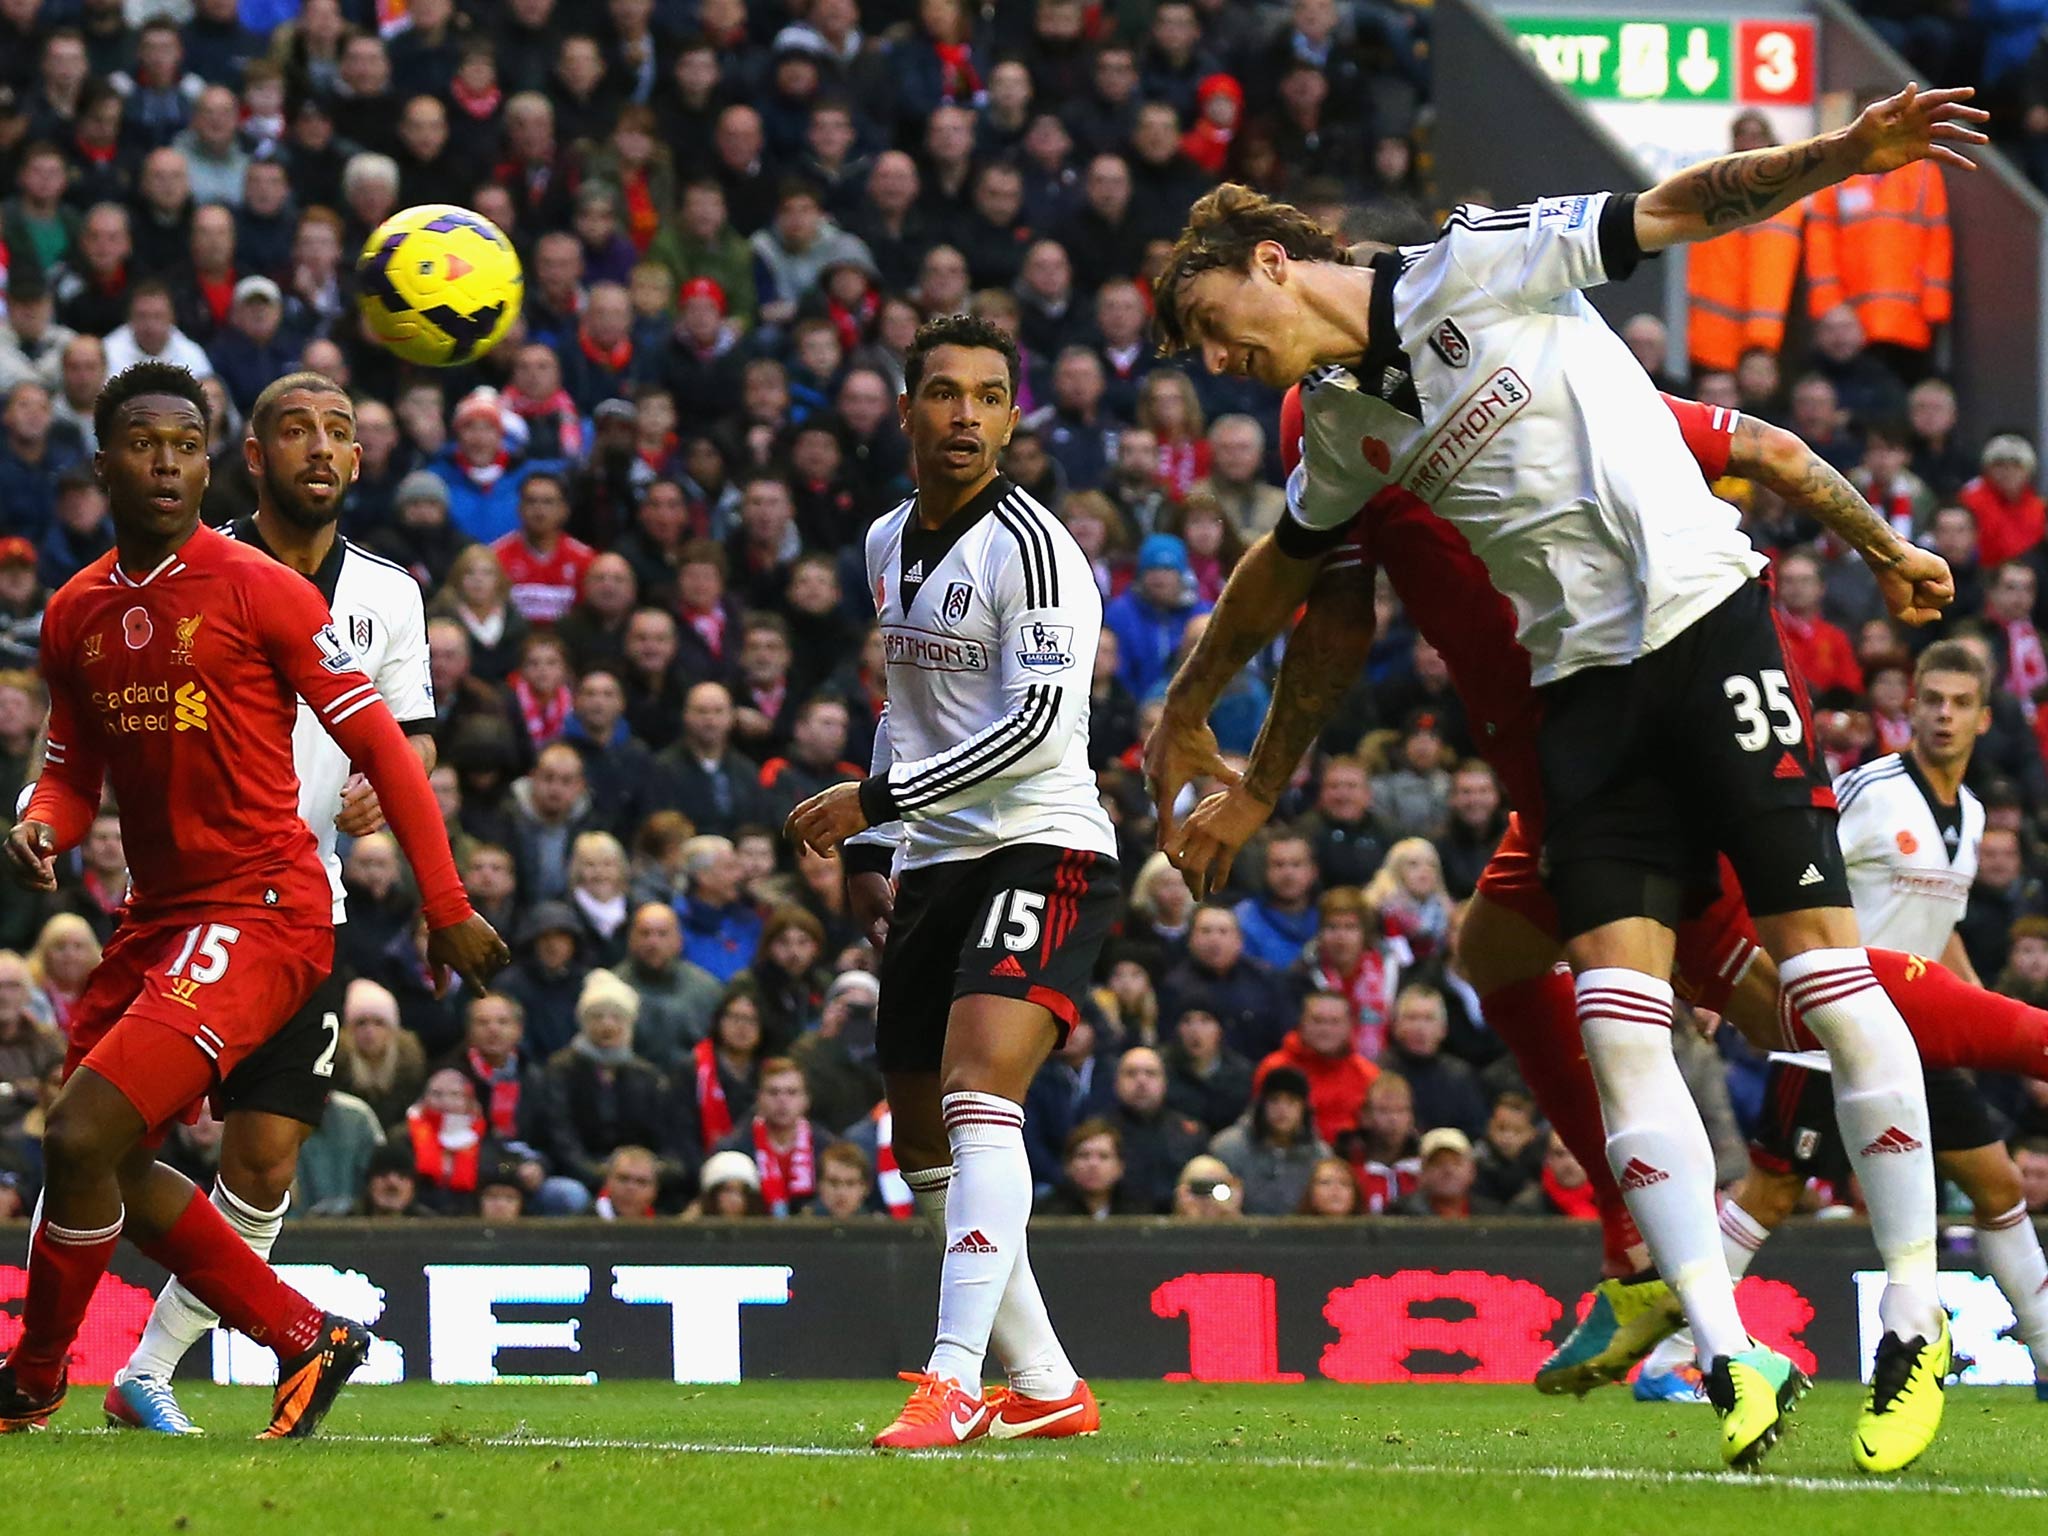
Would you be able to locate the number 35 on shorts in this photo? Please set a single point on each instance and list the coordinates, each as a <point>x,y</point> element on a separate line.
<point>1764,708</point>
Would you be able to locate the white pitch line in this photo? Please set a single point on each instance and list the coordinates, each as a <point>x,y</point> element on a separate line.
<point>1747,1480</point>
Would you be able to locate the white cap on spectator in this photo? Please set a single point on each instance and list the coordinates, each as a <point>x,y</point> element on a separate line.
<point>2011,448</point>
<point>1445,1138</point>
<point>258,288</point>
<point>729,1168</point>
<point>862,983</point>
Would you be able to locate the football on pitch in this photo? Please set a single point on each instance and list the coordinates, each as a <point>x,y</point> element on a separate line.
<point>439,285</point>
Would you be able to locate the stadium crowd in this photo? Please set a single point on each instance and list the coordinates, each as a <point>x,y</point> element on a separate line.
<point>637,526</point>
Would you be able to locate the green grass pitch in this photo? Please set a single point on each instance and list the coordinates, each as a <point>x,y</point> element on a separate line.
<point>789,1458</point>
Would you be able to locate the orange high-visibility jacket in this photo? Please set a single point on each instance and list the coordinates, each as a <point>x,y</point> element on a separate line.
<point>1740,286</point>
<point>1882,245</point>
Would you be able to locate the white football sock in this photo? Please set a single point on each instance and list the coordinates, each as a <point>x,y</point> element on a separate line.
<point>2011,1250</point>
<point>987,1207</point>
<point>1674,1354</point>
<point>1022,1339</point>
<point>1658,1147</point>
<point>1742,1235</point>
<point>1881,1107</point>
<point>179,1319</point>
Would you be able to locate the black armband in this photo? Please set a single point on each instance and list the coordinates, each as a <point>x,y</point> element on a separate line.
<point>1620,252</point>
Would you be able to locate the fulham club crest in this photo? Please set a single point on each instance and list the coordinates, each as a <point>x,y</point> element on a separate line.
<point>359,631</point>
<point>959,595</point>
<point>1449,343</point>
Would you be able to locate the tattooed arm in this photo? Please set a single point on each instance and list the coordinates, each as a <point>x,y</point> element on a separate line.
<point>1261,596</point>
<point>1718,195</point>
<point>1916,582</point>
<point>1325,654</point>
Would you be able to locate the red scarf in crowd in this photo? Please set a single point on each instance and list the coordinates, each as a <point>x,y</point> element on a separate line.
<point>618,359</point>
<point>714,1115</point>
<point>786,1177</point>
<point>888,1177</point>
<point>643,219</point>
<point>852,324</point>
<point>1576,1204</point>
<point>559,407</point>
<point>959,81</point>
<point>477,104</point>
<point>437,1165</point>
<point>503,1110</point>
<point>544,718</point>
<point>1365,988</point>
<point>710,628</point>
<point>2026,664</point>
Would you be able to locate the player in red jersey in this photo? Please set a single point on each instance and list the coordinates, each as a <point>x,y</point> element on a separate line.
<point>1509,944</point>
<point>174,665</point>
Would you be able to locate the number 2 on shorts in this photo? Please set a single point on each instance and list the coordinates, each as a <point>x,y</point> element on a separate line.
<point>1750,703</point>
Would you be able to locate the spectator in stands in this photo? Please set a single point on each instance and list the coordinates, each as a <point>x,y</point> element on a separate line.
<point>1320,1048</point>
<point>782,1138</point>
<point>1207,1190</point>
<point>1818,417</point>
<point>1562,1189</point>
<point>379,1062</point>
<point>844,1182</point>
<point>1511,1156</point>
<point>1075,1084</point>
<point>597,896</point>
<point>59,964</point>
<point>1822,652</point>
<point>29,1051</point>
<point>152,333</point>
<point>1156,1139</point>
<point>543,563</point>
<point>1092,1177</point>
<point>725,1068</point>
<point>632,1183</point>
<point>2025,975</point>
<point>1477,822</point>
<point>838,1057</point>
<point>596,1094</point>
<point>1280,921</point>
<point>34,453</point>
<point>1205,1080</point>
<point>1445,1090</point>
<point>1384,1148</point>
<point>551,808</point>
<point>677,997</point>
<point>1351,957</point>
<point>1413,793</point>
<point>1349,842</point>
<point>712,784</point>
<point>2011,517</point>
<point>617,767</point>
<point>1332,1191</point>
<point>252,349</point>
<point>381,904</point>
<point>721,931</point>
<point>1272,1147</point>
<point>1149,617</point>
<point>547,978</point>
<point>1242,993</point>
<point>1865,387</point>
<point>1444,1187</point>
<point>499,1069</point>
<point>1939,457</point>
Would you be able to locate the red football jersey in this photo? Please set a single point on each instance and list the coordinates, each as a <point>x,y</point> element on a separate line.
<point>1447,594</point>
<point>544,587</point>
<point>183,686</point>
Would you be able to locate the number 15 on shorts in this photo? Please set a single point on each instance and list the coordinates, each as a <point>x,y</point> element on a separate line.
<point>1762,712</point>
<point>1019,930</point>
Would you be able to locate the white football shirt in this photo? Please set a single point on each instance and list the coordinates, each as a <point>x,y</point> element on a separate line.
<point>1910,865</point>
<point>380,618</point>
<point>1495,394</point>
<point>990,625</point>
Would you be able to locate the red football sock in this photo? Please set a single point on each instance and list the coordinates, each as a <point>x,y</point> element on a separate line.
<point>1958,1025</point>
<point>64,1268</point>
<point>1538,1020</point>
<point>217,1266</point>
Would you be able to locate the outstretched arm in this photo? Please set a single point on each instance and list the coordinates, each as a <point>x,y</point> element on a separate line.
<point>1916,582</point>
<point>1324,656</point>
<point>1263,593</point>
<point>1731,191</point>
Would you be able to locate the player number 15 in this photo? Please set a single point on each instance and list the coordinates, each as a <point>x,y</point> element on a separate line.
<point>1776,695</point>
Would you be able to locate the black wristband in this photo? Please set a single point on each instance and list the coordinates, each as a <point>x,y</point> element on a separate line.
<point>1298,541</point>
<point>877,801</point>
<point>1620,251</point>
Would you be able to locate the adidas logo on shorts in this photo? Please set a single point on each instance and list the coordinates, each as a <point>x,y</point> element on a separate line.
<point>1007,968</point>
<point>1641,1175</point>
<point>1893,1140</point>
<point>973,1242</point>
<point>1811,877</point>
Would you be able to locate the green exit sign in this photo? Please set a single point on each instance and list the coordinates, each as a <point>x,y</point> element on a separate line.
<point>1607,58</point>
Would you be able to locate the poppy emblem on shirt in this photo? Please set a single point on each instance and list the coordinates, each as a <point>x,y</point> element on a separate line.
<point>881,593</point>
<point>1449,343</point>
<point>1377,453</point>
<point>136,628</point>
<point>1908,843</point>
